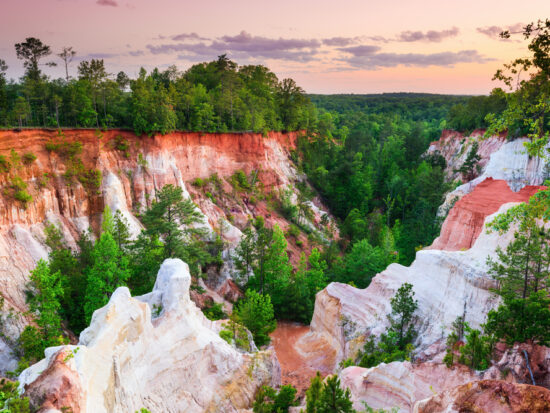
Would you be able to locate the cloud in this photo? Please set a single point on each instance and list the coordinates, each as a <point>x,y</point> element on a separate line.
<point>429,36</point>
<point>494,31</point>
<point>136,53</point>
<point>111,3</point>
<point>365,50</point>
<point>340,41</point>
<point>187,36</point>
<point>246,42</point>
<point>369,58</point>
<point>409,36</point>
<point>241,46</point>
<point>97,56</point>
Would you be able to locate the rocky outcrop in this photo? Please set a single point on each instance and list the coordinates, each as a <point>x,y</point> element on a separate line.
<point>133,168</point>
<point>513,365</point>
<point>492,396</point>
<point>447,284</point>
<point>401,384</point>
<point>465,220</point>
<point>128,359</point>
<point>500,160</point>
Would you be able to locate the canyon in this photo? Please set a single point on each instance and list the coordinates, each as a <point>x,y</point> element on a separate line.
<point>108,369</point>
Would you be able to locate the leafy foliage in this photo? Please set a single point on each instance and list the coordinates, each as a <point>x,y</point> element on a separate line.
<point>328,396</point>
<point>268,400</point>
<point>217,96</point>
<point>396,343</point>
<point>256,313</point>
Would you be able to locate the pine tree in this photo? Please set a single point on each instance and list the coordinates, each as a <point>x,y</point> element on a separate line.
<point>523,273</point>
<point>403,307</point>
<point>333,399</point>
<point>44,302</point>
<point>174,220</point>
<point>313,393</point>
<point>109,271</point>
<point>256,313</point>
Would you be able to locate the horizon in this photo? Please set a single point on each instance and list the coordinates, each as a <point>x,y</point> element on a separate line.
<point>356,47</point>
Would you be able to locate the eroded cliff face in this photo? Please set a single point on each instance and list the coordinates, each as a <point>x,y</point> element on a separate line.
<point>128,358</point>
<point>132,169</point>
<point>449,279</point>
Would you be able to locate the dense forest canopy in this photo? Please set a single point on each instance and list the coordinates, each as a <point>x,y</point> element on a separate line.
<point>217,96</point>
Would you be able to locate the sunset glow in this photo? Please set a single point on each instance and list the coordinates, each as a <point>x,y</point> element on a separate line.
<point>350,46</point>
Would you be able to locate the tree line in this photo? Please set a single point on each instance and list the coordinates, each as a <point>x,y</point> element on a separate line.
<point>217,96</point>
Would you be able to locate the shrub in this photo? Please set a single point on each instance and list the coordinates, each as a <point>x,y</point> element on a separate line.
<point>122,145</point>
<point>65,149</point>
<point>293,231</point>
<point>23,196</point>
<point>29,158</point>
<point>239,180</point>
<point>256,313</point>
<point>214,312</point>
<point>198,182</point>
<point>10,400</point>
<point>90,179</point>
<point>4,164</point>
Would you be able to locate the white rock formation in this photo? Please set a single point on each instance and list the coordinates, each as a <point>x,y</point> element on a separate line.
<point>401,384</point>
<point>507,160</point>
<point>171,362</point>
<point>447,284</point>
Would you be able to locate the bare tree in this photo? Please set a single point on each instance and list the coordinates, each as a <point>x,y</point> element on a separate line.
<point>67,55</point>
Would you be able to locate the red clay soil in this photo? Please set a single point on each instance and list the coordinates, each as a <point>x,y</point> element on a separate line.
<point>465,220</point>
<point>294,367</point>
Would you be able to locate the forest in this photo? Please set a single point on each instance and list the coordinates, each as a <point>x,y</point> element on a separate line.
<point>217,96</point>
<point>364,155</point>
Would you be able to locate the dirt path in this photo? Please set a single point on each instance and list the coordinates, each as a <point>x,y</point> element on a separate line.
<point>296,369</point>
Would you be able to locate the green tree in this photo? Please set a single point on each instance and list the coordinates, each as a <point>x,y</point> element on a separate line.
<point>269,400</point>
<point>256,313</point>
<point>396,343</point>
<point>109,271</point>
<point>527,108</point>
<point>476,352</point>
<point>45,303</point>
<point>10,399</point>
<point>31,51</point>
<point>470,167</point>
<point>403,306</point>
<point>333,399</point>
<point>174,219</point>
<point>313,393</point>
<point>275,277</point>
<point>522,272</point>
<point>362,263</point>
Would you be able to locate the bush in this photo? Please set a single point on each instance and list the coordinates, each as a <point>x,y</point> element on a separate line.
<point>214,312</point>
<point>256,313</point>
<point>293,231</point>
<point>10,400</point>
<point>198,182</point>
<point>29,158</point>
<point>239,180</point>
<point>24,197</point>
<point>122,145</point>
<point>91,179</point>
<point>4,164</point>
<point>268,400</point>
<point>65,149</point>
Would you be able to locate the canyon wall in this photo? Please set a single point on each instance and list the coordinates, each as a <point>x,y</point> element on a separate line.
<point>129,358</point>
<point>132,169</point>
<point>449,279</point>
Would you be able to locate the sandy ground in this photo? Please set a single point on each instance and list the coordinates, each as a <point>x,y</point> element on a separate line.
<point>296,369</point>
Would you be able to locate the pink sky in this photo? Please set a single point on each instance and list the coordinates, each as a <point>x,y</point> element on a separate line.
<point>345,46</point>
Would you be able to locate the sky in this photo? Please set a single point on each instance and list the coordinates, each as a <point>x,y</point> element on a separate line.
<point>344,46</point>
